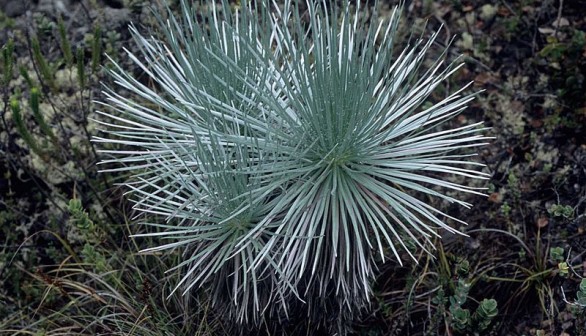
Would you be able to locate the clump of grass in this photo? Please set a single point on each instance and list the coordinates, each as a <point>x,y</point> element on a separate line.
<point>106,289</point>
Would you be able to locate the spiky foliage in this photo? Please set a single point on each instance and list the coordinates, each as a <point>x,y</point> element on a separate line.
<point>281,146</point>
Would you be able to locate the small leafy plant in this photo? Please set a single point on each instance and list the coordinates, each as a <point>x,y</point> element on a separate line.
<point>452,311</point>
<point>286,149</point>
<point>461,319</point>
<point>558,210</point>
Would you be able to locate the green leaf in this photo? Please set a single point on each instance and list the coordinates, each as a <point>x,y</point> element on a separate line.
<point>7,61</point>
<point>46,72</point>
<point>64,42</point>
<point>485,313</point>
<point>40,119</point>
<point>22,128</point>
<point>96,48</point>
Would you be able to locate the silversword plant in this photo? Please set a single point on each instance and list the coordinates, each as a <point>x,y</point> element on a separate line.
<point>287,147</point>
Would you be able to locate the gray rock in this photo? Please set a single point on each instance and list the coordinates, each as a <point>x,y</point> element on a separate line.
<point>112,18</point>
<point>13,8</point>
<point>54,7</point>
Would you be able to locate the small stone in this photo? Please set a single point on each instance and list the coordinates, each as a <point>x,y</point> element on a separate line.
<point>12,8</point>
